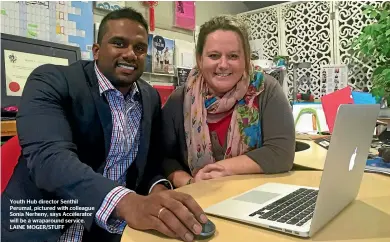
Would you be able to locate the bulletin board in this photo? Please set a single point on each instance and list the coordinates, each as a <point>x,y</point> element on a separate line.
<point>64,22</point>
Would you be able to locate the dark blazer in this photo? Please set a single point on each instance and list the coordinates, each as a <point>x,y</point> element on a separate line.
<point>64,127</point>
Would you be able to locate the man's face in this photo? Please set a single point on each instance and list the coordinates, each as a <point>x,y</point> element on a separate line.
<point>121,54</point>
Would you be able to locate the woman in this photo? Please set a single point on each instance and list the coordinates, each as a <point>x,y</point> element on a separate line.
<point>226,120</point>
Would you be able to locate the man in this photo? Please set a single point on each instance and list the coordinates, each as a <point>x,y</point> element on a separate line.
<point>90,138</point>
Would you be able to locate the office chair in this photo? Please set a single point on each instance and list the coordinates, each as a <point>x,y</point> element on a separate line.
<point>10,152</point>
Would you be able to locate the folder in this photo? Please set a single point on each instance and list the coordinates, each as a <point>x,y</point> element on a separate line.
<point>363,98</point>
<point>331,103</point>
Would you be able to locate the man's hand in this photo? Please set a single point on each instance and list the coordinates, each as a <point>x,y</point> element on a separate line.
<point>172,213</point>
<point>211,171</point>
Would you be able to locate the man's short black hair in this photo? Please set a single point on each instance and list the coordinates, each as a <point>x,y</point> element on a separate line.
<point>124,13</point>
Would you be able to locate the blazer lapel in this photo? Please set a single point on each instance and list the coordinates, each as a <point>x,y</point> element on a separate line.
<point>102,107</point>
<point>105,116</point>
<point>145,129</point>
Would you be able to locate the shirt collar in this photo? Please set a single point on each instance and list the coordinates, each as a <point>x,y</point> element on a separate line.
<point>105,85</point>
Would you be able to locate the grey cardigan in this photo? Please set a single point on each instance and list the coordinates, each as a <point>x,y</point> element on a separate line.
<point>277,152</point>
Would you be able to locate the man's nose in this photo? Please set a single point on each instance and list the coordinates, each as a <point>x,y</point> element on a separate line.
<point>129,54</point>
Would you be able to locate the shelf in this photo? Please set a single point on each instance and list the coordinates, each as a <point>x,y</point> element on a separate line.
<point>8,128</point>
<point>159,74</point>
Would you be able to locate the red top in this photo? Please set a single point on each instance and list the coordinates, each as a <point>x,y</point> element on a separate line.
<point>221,128</point>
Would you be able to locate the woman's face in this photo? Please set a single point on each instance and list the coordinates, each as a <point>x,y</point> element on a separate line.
<point>222,62</point>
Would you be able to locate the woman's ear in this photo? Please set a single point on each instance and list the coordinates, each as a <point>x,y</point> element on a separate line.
<point>198,61</point>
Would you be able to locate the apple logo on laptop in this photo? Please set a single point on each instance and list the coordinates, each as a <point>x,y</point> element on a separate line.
<point>352,160</point>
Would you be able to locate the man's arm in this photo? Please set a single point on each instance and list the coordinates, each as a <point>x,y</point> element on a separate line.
<point>46,139</point>
<point>153,179</point>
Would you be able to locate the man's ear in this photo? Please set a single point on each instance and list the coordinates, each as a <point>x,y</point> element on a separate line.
<point>95,51</point>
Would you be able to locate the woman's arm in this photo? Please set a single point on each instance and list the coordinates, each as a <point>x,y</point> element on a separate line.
<point>173,169</point>
<point>240,165</point>
<point>180,178</point>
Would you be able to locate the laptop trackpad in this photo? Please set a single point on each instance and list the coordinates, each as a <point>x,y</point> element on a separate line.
<point>257,197</point>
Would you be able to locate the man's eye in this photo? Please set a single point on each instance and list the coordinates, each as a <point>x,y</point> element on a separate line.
<point>213,56</point>
<point>140,48</point>
<point>118,44</point>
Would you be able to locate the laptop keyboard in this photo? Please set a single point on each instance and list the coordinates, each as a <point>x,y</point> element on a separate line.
<point>295,209</point>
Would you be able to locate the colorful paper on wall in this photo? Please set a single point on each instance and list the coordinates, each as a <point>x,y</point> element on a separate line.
<point>185,14</point>
<point>63,22</point>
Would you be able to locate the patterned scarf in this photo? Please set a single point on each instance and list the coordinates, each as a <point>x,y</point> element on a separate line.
<point>200,108</point>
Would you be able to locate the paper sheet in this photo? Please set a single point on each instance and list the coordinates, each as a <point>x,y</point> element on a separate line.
<point>257,48</point>
<point>19,65</point>
<point>184,53</point>
<point>187,59</point>
<point>185,14</point>
<point>305,123</point>
<point>333,78</point>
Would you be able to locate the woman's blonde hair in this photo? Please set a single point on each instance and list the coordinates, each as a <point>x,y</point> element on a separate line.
<point>225,22</point>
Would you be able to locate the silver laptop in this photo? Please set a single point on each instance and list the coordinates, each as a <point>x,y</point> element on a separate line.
<point>301,210</point>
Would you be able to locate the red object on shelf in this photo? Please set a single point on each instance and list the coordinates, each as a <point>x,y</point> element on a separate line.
<point>165,92</point>
<point>151,5</point>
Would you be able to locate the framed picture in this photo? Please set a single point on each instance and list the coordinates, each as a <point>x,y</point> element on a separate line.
<point>163,55</point>
<point>182,75</point>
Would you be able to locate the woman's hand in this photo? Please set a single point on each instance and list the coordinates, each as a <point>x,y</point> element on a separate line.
<point>211,171</point>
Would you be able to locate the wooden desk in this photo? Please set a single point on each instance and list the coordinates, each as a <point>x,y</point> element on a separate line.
<point>366,220</point>
<point>8,128</point>
<point>313,158</point>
